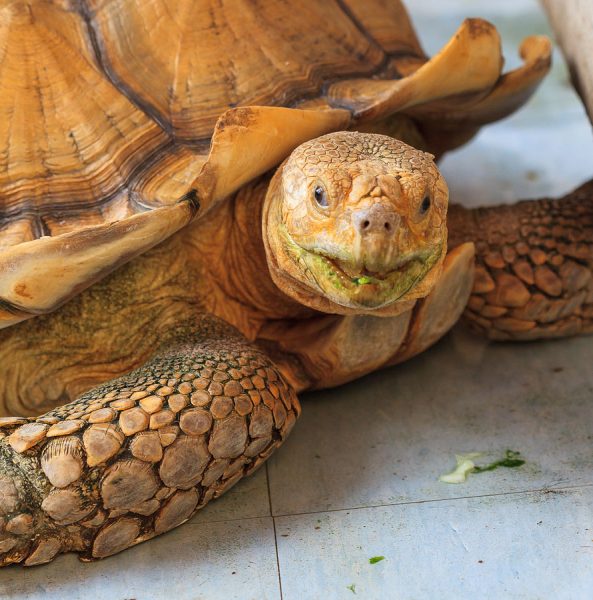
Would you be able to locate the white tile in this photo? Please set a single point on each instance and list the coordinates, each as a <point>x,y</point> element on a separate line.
<point>198,561</point>
<point>519,546</point>
<point>386,438</point>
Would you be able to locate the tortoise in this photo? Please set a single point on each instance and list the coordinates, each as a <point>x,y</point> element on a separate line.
<point>207,208</point>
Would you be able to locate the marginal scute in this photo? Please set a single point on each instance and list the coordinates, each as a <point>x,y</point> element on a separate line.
<point>62,460</point>
<point>115,537</point>
<point>128,483</point>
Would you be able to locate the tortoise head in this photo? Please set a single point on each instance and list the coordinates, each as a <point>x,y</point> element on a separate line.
<point>356,222</point>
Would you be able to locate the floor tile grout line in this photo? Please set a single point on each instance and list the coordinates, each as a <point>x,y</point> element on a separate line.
<point>435,500</point>
<point>316,512</point>
<point>275,534</point>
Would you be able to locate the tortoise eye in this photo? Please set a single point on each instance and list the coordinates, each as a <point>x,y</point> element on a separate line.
<point>425,205</point>
<point>320,196</point>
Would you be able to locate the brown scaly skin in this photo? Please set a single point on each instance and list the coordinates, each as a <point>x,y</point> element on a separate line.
<point>534,266</point>
<point>138,455</point>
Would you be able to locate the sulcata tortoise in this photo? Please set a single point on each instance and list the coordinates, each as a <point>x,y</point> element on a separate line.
<point>209,207</point>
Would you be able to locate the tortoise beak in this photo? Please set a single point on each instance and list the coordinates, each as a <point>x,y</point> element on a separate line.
<point>375,241</point>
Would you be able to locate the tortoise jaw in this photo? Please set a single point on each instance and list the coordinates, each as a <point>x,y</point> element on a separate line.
<point>359,288</point>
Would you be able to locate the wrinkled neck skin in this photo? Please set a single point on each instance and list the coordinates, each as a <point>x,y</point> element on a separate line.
<point>232,254</point>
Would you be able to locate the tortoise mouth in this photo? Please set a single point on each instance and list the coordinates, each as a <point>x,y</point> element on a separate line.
<point>357,287</point>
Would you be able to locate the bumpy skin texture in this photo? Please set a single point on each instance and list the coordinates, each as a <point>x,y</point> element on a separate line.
<point>534,266</point>
<point>356,222</point>
<point>139,455</point>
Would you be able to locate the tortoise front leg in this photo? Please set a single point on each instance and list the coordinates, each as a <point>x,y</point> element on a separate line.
<point>534,266</point>
<point>139,455</point>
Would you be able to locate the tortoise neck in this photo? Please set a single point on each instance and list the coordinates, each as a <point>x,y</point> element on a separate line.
<point>230,239</point>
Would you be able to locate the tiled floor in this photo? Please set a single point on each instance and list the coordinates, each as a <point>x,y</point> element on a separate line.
<point>359,476</point>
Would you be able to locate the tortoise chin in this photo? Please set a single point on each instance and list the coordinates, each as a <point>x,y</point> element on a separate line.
<point>356,288</point>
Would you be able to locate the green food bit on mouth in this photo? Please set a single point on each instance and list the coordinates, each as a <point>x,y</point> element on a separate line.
<point>375,559</point>
<point>361,280</point>
<point>511,461</point>
<point>466,465</point>
<point>352,588</point>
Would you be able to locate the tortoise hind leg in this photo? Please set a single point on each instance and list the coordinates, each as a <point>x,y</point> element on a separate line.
<point>139,455</point>
<point>534,266</point>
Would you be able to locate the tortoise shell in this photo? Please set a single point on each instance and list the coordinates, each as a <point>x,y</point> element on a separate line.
<point>121,120</point>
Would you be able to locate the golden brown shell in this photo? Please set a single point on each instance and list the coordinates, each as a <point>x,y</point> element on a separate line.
<point>113,111</point>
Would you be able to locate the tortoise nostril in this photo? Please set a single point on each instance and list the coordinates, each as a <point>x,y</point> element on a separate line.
<point>375,220</point>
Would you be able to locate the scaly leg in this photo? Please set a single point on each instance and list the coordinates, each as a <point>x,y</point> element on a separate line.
<point>534,266</point>
<point>139,455</point>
